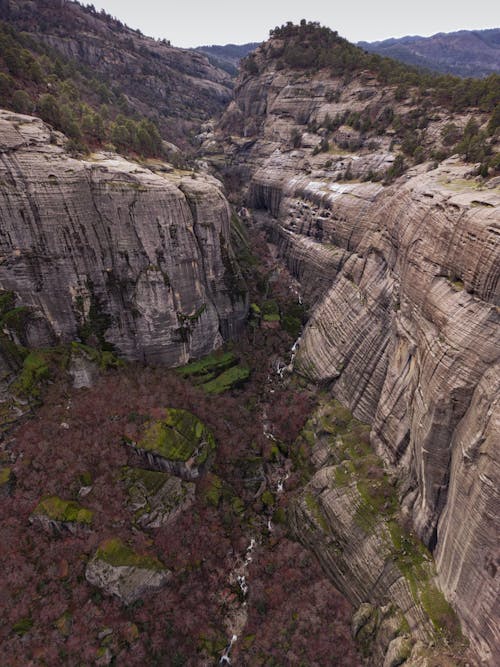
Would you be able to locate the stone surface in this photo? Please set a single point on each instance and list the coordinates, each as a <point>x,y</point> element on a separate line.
<point>156,498</point>
<point>403,284</point>
<point>119,571</point>
<point>106,249</point>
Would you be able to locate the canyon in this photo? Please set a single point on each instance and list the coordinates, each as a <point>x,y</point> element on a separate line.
<point>399,270</point>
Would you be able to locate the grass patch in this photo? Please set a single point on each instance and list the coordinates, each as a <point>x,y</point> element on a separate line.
<point>34,371</point>
<point>440,612</point>
<point>116,553</point>
<point>231,379</point>
<point>65,511</point>
<point>315,510</point>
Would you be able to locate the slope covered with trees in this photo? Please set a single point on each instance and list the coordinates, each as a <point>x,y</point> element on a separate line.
<point>98,81</point>
<point>465,53</point>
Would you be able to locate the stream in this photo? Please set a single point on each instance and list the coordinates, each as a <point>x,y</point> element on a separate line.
<point>276,475</point>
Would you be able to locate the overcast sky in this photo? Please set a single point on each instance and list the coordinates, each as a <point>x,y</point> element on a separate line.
<point>197,22</point>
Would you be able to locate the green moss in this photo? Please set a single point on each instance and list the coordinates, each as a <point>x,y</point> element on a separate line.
<point>213,493</point>
<point>279,516</point>
<point>178,437</point>
<point>5,476</point>
<point>7,302</point>
<point>35,370</point>
<point>237,505</point>
<point>457,285</point>
<point>315,510</point>
<point>57,509</point>
<point>231,379</point>
<point>255,309</point>
<point>23,626</point>
<point>271,317</point>
<point>210,365</point>
<point>150,480</point>
<point>440,612</point>
<point>118,554</point>
<point>16,319</point>
<point>268,499</point>
<point>85,479</point>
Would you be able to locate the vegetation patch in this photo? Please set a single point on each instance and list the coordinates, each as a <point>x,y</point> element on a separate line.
<point>34,371</point>
<point>64,511</point>
<point>118,554</point>
<point>231,379</point>
<point>208,367</point>
<point>180,436</point>
<point>105,359</point>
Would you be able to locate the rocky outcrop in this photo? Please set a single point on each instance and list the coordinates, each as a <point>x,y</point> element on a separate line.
<point>179,443</point>
<point>107,250</point>
<point>120,571</point>
<point>403,284</point>
<point>156,498</point>
<point>56,515</point>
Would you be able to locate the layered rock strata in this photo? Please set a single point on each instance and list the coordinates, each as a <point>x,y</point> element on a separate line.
<point>407,335</point>
<point>106,249</point>
<point>403,284</point>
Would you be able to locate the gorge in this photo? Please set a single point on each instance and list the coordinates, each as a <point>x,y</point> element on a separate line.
<point>382,428</point>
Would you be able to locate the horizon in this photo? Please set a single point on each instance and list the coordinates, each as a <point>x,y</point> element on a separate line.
<point>388,20</point>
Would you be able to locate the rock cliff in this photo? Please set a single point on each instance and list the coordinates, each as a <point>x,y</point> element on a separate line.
<point>402,280</point>
<point>108,250</point>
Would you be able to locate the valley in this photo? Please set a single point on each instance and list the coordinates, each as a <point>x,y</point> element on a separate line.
<point>249,396</point>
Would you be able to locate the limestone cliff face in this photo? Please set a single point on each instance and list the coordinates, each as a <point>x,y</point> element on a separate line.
<point>106,248</point>
<point>403,281</point>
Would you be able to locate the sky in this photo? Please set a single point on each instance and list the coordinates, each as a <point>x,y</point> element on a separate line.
<point>188,23</point>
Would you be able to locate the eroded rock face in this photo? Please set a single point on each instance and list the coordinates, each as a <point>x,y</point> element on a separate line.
<point>107,249</point>
<point>407,335</point>
<point>403,283</point>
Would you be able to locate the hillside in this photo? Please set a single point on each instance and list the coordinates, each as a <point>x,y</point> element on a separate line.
<point>465,53</point>
<point>82,57</point>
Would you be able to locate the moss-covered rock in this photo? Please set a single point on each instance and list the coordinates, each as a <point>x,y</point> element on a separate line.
<point>119,570</point>
<point>55,514</point>
<point>179,443</point>
<point>23,626</point>
<point>156,498</point>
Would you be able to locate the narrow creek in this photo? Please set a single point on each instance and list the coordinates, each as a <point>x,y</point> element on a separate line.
<point>276,474</point>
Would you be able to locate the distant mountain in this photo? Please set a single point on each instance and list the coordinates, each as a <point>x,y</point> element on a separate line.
<point>227,57</point>
<point>466,53</point>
